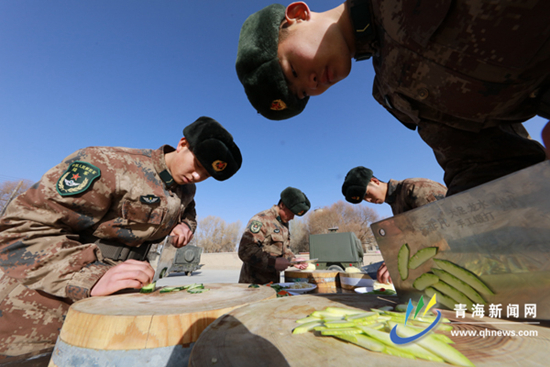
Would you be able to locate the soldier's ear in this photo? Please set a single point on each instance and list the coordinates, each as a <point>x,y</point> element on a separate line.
<point>297,11</point>
<point>182,144</point>
<point>374,180</point>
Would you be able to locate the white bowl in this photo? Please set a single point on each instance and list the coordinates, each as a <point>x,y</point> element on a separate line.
<point>296,290</point>
<point>364,289</point>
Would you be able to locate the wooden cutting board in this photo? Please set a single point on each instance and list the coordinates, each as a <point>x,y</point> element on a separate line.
<point>263,332</point>
<point>137,321</point>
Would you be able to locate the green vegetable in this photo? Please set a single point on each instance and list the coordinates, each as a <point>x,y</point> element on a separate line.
<point>425,280</point>
<point>450,279</point>
<point>465,275</point>
<point>304,328</point>
<point>437,347</point>
<point>148,288</point>
<point>422,256</point>
<point>403,261</point>
<point>442,298</point>
<point>453,293</point>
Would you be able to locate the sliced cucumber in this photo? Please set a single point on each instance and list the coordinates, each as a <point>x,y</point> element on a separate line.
<point>343,311</point>
<point>422,256</point>
<point>437,347</point>
<point>403,261</point>
<point>148,288</point>
<point>413,349</point>
<point>424,281</point>
<point>341,331</point>
<point>450,279</point>
<point>363,341</point>
<point>465,275</point>
<point>442,299</point>
<point>304,328</point>
<point>453,293</point>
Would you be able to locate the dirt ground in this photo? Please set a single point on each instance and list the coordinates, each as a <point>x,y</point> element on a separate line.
<point>230,260</point>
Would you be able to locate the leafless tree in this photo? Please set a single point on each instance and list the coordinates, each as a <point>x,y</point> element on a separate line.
<point>10,189</point>
<point>299,236</point>
<point>215,235</point>
<point>346,217</point>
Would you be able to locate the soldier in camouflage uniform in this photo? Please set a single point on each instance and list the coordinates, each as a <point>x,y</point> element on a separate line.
<point>464,73</point>
<point>83,229</point>
<point>402,196</point>
<point>265,245</point>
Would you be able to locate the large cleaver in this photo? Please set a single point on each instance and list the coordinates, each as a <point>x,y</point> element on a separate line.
<point>167,253</point>
<point>500,231</point>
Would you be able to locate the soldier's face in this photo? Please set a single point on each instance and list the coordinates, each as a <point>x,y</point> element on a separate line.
<point>314,55</point>
<point>375,193</point>
<point>285,214</point>
<point>185,167</point>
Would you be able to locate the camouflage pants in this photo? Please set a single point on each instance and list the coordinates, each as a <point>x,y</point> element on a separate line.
<point>30,320</point>
<point>470,159</point>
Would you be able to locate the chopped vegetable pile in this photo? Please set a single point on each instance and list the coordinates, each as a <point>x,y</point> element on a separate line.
<point>371,330</point>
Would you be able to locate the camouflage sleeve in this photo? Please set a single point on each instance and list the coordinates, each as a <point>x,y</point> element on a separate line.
<point>189,216</point>
<point>422,192</point>
<point>38,244</point>
<point>251,247</point>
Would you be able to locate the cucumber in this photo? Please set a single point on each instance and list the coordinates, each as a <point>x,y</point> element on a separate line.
<point>413,349</point>
<point>343,311</point>
<point>465,275</point>
<point>442,299</point>
<point>169,289</point>
<point>339,324</point>
<point>365,316</point>
<point>437,347</point>
<point>342,331</point>
<point>450,279</point>
<point>304,328</point>
<point>308,319</point>
<point>148,288</point>
<point>363,341</point>
<point>403,261</point>
<point>422,256</point>
<point>424,281</point>
<point>453,293</point>
<point>397,352</point>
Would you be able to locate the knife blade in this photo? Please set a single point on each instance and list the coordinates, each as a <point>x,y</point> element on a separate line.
<point>166,260</point>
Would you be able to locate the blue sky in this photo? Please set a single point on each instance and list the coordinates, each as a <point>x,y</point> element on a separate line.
<point>134,73</point>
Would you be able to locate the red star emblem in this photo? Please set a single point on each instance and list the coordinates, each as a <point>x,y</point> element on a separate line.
<point>76,176</point>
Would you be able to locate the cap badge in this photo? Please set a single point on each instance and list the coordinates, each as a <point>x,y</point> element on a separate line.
<point>301,213</point>
<point>278,105</point>
<point>355,197</point>
<point>219,165</point>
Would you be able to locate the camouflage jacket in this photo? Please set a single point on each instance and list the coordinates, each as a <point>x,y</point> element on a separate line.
<point>469,64</point>
<point>412,193</point>
<point>120,194</point>
<point>265,238</point>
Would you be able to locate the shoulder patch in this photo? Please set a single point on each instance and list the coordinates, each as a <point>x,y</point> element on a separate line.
<point>77,178</point>
<point>255,226</point>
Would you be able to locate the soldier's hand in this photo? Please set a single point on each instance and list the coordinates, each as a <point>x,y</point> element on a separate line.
<point>129,274</point>
<point>182,235</point>
<point>301,265</point>
<point>281,263</point>
<point>383,275</point>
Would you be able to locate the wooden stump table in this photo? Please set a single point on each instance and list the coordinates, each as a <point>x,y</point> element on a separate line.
<point>260,334</point>
<point>155,329</point>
